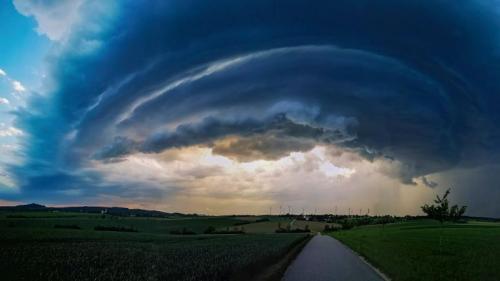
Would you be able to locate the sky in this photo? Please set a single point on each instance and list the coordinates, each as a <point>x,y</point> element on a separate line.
<point>222,106</point>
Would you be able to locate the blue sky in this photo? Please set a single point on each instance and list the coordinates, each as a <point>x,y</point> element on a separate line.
<point>22,54</point>
<point>231,106</point>
<point>23,49</point>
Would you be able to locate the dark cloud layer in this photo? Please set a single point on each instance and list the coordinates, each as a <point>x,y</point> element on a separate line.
<point>408,81</point>
<point>272,132</point>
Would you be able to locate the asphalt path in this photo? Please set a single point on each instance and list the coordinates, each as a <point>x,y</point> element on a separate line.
<point>325,258</point>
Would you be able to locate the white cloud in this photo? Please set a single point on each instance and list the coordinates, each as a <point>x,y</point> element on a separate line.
<point>55,18</point>
<point>196,180</point>
<point>4,101</point>
<point>9,131</point>
<point>9,147</point>
<point>18,87</point>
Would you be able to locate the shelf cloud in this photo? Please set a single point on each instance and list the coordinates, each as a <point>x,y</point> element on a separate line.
<point>397,86</point>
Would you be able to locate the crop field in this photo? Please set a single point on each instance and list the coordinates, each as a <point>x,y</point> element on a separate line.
<point>425,250</point>
<point>48,215</point>
<point>89,221</point>
<point>32,249</point>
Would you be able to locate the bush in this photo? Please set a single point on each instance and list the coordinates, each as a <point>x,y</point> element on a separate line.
<point>71,226</point>
<point>330,228</point>
<point>347,224</point>
<point>212,230</point>
<point>209,230</point>
<point>296,230</point>
<point>441,211</point>
<point>228,232</point>
<point>241,223</point>
<point>114,228</point>
<point>184,231</point>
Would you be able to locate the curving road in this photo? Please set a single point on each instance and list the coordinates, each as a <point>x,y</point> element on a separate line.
<point>325,258</point>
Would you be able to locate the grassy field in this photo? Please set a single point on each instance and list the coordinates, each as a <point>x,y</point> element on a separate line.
<point>42,214</point>
<point>32,249</point>
<point>425,250</point>
<point>40,220</point>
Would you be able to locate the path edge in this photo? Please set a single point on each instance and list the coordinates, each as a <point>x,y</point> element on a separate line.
<point>277,270</point>
<point>363,259</point>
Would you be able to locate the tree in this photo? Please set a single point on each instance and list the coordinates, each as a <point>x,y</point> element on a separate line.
<point>441,211</point>
<point>209,230</point>
<point>456,213</point>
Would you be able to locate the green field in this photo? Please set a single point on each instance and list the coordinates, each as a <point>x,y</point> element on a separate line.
<point>425,250</point>
<point>142,225</point>
<point>32,249</point>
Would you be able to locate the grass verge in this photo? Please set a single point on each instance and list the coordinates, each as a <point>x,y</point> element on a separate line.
<point>425,250</point>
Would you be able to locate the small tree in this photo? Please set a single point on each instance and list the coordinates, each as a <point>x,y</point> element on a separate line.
<point>209,230</point>
<point>441,211</point>
<point>456,213</point>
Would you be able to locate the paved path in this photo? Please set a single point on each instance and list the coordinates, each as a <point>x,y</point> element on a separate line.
<point>325,258</point>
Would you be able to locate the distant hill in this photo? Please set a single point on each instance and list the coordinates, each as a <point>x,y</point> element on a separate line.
<point>31,206</point>
<point>116,211</point>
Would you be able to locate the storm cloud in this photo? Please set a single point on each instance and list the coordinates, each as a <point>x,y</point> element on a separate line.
<point>412,83</point>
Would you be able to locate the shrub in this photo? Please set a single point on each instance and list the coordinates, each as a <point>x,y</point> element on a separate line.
<point>347,224</point>
<point>330,228</point>
<point>441,210</point>
<point>114,228</point>
<point>212,230</point>
<point>184,231</point>
<point>296,230</point>
<point>209,230</point>
<point>71,226</point>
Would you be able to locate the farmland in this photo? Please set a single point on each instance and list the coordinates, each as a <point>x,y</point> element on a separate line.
<point>273,223</point>
<point>31,248</point>
<point>55,245</point>
<point>89,221</point>
<point>425,250</point>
